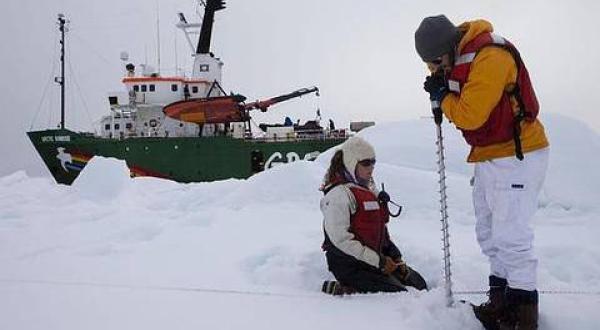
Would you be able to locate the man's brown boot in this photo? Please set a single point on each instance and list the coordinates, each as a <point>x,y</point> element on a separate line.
<point>492,310</point>
<point>522,310</point>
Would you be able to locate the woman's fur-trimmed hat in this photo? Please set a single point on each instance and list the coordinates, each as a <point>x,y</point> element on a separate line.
<point>356,149</point>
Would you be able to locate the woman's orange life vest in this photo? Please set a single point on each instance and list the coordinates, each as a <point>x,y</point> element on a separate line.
<point>503,124</point>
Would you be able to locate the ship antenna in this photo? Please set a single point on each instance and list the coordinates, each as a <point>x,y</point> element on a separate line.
<point>175,49</point>
<point>62,27</point>
<point>210,8</point>
<point>158,36</point>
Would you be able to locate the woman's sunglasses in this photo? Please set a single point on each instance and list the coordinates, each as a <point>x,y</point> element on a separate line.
<point>367,162</point>
<point>437,61</point>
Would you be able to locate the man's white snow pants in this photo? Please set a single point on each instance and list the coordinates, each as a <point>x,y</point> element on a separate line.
<point>505,195</point>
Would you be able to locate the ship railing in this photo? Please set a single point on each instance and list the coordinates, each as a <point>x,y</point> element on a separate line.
<point>305,136</point>
<point>298,136</point>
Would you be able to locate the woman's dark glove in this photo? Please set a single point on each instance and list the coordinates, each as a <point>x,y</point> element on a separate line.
<point>383,197</point>
<point>387,265</point>
<point>402,270</point>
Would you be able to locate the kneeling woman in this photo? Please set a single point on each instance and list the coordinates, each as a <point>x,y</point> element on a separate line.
<point>358,248</point>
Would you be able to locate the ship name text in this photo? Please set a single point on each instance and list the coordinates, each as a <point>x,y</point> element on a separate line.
<point>57,138</point>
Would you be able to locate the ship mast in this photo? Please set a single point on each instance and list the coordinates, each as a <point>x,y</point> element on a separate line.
<point>207,23</point>
<point>62,21</point>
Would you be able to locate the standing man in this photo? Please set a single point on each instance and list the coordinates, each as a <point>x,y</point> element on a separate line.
<point>484,89</point>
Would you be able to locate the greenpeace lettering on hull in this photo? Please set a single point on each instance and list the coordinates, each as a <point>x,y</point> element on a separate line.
<point>277,158</point>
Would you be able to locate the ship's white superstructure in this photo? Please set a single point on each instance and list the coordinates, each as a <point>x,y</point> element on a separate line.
<point>138,110</point>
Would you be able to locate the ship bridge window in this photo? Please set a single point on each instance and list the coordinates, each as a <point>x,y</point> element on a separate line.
<point>194,89</point>
<point>144,88</point>
<point>136,88</point>
<point>107,127</point>
<point>152,88</point>
<point>128,126</point>
<point>203,68</point>
<point>113,100</point>
<point>174,87</point>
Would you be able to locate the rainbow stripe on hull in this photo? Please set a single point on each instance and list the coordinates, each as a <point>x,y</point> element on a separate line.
<point>78,160</point>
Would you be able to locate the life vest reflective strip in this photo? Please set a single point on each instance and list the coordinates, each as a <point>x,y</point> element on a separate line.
<point>504,123</point>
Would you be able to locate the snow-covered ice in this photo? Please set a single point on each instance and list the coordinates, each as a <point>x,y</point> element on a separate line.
<point>115,253</point>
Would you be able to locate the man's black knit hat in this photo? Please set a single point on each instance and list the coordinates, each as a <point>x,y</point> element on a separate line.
<point>435,37</point>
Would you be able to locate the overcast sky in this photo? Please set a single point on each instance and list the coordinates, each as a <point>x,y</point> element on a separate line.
<point>359,53</point>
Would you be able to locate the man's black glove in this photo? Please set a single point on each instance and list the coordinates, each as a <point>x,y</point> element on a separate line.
<point>437,88</point>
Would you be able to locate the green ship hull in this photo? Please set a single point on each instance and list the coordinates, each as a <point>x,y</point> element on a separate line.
<point>182,159</point>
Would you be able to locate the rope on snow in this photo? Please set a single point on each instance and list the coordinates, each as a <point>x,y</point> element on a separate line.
<point>249,292</point>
